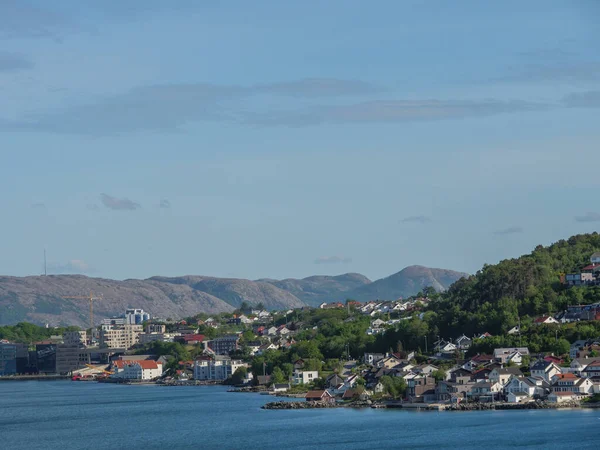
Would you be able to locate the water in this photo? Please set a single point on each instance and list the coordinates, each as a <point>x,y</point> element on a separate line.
<point>66,415</point>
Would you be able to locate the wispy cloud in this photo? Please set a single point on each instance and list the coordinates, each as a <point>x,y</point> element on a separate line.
<point>333,260</point>
<point>73,266</point>
<point>38,205</point>
<point>509,230</point>
<point>589,99</point>
<point>164,203</point>
<point>561,71</point>
<point>118,204</point>
<point>171,107</point>
<point>416,219</point>
<point>392,111</point>
<point>13,62</point>
<point>588,217</point>
<point>317,87</point>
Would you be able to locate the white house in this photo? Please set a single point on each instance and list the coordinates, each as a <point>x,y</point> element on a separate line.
<point>305,376</point>
<point>568,382</point>
<point>501,375</point>
<point>545,369</point>
<point>464,342</point>
<point>545,320</point>
<point>561,397</point>
<point>514,330</point>
<point>595,258</point>
<point>517,397</point>
<point>578,364</point>
<point>506,355</point>
<point>137,370</point>
<point>377,323</point>
<point>592,370</point>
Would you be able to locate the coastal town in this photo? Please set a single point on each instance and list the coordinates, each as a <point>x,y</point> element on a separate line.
<point>246,350</point>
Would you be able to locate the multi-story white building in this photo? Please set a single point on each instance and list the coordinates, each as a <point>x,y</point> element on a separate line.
<point>137,370</point>
<point>120,336</point>
<point>220,368</point>
<point>305,376</point>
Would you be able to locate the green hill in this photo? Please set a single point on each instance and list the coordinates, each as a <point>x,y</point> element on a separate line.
<point>498,296</point>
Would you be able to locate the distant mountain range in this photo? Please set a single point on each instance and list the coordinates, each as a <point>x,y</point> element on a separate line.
<point>40,299</point>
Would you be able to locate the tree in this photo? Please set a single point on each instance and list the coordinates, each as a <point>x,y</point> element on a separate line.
<point>260,306</point>
<point>562,347</point>
<point>395,387</point>
<point>277,376</point>
<point>439,375</point>
<point>245,308</point>
<point>238,376</point>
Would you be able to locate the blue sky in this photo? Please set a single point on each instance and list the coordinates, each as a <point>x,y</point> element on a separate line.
<point>285,139</point>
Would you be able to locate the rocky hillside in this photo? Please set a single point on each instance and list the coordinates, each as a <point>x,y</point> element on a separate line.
<point>405,283</point>
<point>318,289</point>
<point>41,299</point>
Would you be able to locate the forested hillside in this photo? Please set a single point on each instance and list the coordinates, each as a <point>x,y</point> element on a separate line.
<point>497,296</point>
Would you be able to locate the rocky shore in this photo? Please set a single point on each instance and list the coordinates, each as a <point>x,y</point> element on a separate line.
<point>300,405</point>
<point>538,404</point>
<point>312,405</point>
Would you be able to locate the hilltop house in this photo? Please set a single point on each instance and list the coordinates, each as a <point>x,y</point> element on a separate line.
<point>463,342</point>
<point>545,320</point>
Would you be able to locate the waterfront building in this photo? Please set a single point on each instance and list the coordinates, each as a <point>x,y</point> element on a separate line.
<point>45,357</point>
<point>8,359</point>
<point>137,369</point>
<point>70,358</point>
<point>218,369</point>
<point>120,336</point>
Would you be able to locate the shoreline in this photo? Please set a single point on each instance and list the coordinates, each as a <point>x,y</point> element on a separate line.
<point>538,405</point>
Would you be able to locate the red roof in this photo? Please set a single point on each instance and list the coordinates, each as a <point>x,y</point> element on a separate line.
<point>317,394</point>
<point>144,364</point>
<point>553,359</point>
<point>567,376</point>
<point>563,394</point>
<point>591,267</point>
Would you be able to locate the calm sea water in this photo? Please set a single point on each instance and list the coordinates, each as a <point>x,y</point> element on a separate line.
<point>66,415</point>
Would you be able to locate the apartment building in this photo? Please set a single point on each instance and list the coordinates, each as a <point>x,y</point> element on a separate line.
<point>74,338</point>
<point>224,345</point>
<point>120,336</point>
<point>220,368</point>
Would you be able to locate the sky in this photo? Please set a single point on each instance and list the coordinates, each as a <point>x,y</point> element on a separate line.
<point>286,139</point>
